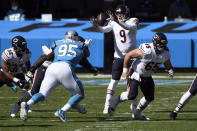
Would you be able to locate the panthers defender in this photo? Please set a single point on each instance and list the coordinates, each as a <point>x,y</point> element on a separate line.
<point>11,72</point>
<point>124,30</point>
<point>149,57</point>
<point>68,53</point>
<point>184,99</point>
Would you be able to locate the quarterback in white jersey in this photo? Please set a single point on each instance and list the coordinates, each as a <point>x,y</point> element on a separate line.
<point>149,57</point>
<point>124,30</point>
<point>11,72</point>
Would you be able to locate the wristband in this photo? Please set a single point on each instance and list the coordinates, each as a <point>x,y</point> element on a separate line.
<point>125,70</point>
<point>15,79</point>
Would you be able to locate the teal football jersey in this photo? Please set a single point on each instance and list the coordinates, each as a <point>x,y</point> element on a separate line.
<point>69,51</point>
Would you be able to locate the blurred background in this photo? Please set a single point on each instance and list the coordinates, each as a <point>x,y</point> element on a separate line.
<point>84,9</point>
<point>176,18</point>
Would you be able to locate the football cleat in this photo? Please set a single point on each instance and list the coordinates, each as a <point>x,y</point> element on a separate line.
<point>138,116</point>
<point>172,115</point>
<point>13,115</point>
<point>81,109</point>
<point>112,107</point>
<point>24,111</point>
<point>111,111</point>
<point>60,114</point>
<point>15,110</point>
<point>105,111</point>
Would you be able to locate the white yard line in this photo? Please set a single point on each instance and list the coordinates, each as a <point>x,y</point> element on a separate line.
<point>154,76</point>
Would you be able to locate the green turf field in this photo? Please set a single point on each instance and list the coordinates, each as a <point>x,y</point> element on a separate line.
<point>167,94</point>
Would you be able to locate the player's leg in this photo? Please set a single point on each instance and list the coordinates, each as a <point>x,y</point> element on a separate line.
<point>184,99</point>
<point>147,87</point>
<point>70,81</point>
<point>48,84</point>
<point>116,73</point>
<point>130,94</point>
<point>25,95</point>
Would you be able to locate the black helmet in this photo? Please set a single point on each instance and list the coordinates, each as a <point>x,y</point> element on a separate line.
<point>160,41</point>
<point>120,9</point>
<point>19,44</point>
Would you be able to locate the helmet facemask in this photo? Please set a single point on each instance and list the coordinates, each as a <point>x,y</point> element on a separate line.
<point>160,42</point>
<point>19,44</point>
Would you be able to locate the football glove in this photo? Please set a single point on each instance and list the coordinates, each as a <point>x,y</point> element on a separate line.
<point>171,73</point>
<point>29,76</point>
<point>88,42</point>
<point>18,82</point>
<point>46,50</point>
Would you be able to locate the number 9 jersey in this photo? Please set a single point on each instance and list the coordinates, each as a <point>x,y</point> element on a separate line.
<point>151,60</point>
<point>69,51</point>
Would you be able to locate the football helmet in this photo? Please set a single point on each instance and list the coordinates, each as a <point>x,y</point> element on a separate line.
<point>19,44</point>
<point>73,35</point>
<point>160,41</point>
<point>120,12</point>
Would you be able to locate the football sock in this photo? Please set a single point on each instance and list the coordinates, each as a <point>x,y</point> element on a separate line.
<point>66,107</point>
<point>183,101</point>
<point>142,104</point>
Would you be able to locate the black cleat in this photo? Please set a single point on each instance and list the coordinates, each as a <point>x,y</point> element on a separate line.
<point>172,115</point>
<point>111,111</point>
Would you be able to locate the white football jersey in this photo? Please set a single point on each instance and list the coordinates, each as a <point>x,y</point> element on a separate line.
<point>151,61</point>
<point>15,63</point>
<point>125,40</point>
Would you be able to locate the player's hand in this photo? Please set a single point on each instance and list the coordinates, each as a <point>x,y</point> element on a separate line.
<point>29,76</point>
<point>20,83</point>
<point>88,42</point>
<point>123,76</point>
<point>171,73</point>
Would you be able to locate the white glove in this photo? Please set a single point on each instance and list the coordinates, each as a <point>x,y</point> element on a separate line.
<point>46,50</point>
<point>171,73</point>
<point>29,76</point>
<point>88,42</point>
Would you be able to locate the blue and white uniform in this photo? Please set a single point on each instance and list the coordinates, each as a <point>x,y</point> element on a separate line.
<point>68,53</point>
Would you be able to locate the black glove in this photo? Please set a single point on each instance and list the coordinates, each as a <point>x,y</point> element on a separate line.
<point>20,83</point>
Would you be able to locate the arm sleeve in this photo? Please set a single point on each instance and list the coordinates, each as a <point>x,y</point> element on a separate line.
<point>105,29</point>
<point>132,26</point>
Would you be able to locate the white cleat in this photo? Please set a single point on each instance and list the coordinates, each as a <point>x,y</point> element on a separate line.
<point>13,115</point>
<point>105,111</point>
<point>24,111</point>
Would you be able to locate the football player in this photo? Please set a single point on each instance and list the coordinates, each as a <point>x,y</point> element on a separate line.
<point>124,30</point>
<point>13,60</point>
<point>149,57</point>
<point>184,99</point>
<point>67,60</point>
<point>37,72</point>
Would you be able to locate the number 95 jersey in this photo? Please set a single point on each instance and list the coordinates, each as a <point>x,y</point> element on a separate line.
<point>151,61</point>
<point>69,51</point>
